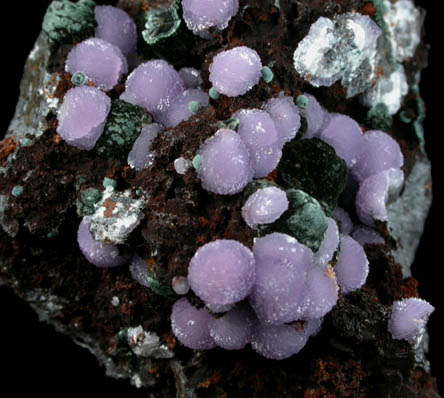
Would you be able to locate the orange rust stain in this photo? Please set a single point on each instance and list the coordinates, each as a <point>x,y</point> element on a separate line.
<point>110,206</point>
<point>201,239</point>
<point>150,263</point>
<point>203,222</point>
<point>213,379</point>
<point>57,139</point>
<point>368,9</point>
<point>7,146</point>
<point>170,340</point>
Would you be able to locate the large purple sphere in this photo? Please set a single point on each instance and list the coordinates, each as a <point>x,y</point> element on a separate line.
<point>103,63</point>
<point>222,272</point>
<point>225,166</point>
<point>282,265</point>
<point>234,72</point>
<point>82,116</point>
<point>190,325</point>
<point>153,85</point>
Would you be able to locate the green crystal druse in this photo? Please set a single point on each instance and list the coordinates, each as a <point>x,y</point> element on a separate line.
<point>313,166</point>
<point>67,21</point>
<point>123,126</point>
<point>304,220</point>
<point>87,200</point>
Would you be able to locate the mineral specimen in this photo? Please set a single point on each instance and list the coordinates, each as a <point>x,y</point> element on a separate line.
<point>222,272</point>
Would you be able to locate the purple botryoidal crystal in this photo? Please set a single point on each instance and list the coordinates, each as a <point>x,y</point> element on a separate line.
<point>282,264</point>
<point>199,15</point>
<point>116,27</point>
<point>329,244</point>
<point>190,325</point>
<point>236,71</point>
<point>366,235</point>
<point>222,272</point>
<point>345,136</point>
<point>352,266</point>
<point>101,62</point>
<point>233,330</point>
<point>139,270</point>
<point>321,292</point>
<point>285,115</point>
<point>258,131</point>
<point>153,85</point>
<point>225,164</point>
<point>181,107</point>
<point>380,152</point>
<point>315,116</point>
<point>264,206</point>
<point>141,157</point>
<point>344,221</point>
<point>278,341</point>
<point>409,318</point>
<point>374,193</point>
<point>82,116</point>
<point>97,253</point>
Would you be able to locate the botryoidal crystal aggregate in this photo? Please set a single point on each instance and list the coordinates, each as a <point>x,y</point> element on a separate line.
<point>308,182</point>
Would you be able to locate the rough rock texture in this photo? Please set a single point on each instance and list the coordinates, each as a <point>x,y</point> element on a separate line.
<point>353,355</point>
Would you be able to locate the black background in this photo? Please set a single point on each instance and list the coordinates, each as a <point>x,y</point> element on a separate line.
<point>36,359</point>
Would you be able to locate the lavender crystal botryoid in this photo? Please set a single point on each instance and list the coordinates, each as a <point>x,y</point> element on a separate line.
<point>200,15</point>
<point>82,116</point>
<point>258,131</point>
<point>141,156</point>
<point>409,318</point>
<point>264,206</point>
<point>190,325</point>
<point>236,71</point>
<point>103,63</point>
<point>225,164</point>
<point>116,27</point>
<point>97,253</point>
<point>222,272</point>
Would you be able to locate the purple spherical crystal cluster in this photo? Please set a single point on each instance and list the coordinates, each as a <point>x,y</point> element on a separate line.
<point>236,71</point>
<point>200,15</point>
<point>409,318</point>
<point>275,293</point>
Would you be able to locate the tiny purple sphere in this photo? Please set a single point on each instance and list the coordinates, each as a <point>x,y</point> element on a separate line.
<point>374,193</point>
<point>199,15</point>
<point>352,266</point>
<point>100,61</point>
<point>329,244</point>
<point>190,325</point>
<point>345,136</point>
<point>153,85</point>
<point>236,71</point>
<point>191,77</point>
<point>100,254</point>
<point>234,329</point>
<point>278,341</point>
<point>322,292</point>
<point>82,116</point>
<point>264,206</point>
<point>258,132</point>
<point>282,265</point>
<point>222,272</point>
<point>116,27</point>
<point>409,319</point>
<point>141,157</point>
<point>380,152</point>
<point>179,110</point>
<point>225,167</point>
<point>285,115</point>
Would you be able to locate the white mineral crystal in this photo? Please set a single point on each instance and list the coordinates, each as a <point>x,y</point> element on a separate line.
<point>147,344</point>
<point>340,49</point>
<point>181,165</point>
<point>404,22</point>
<point>388,90</point>
<point>116,216</point>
